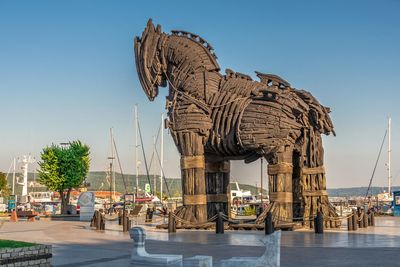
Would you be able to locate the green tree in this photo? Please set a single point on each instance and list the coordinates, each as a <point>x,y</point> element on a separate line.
<point>63,168</point>
<point>4,188</point>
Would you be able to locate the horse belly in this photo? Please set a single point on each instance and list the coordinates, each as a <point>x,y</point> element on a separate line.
<point>264,126</point>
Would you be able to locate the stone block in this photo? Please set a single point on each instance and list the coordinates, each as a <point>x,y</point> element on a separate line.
<point>198,261</point>
<point>140,258</point>
<point>270,258</point>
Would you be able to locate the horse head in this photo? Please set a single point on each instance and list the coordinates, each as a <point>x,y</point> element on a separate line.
<point>150,64</point>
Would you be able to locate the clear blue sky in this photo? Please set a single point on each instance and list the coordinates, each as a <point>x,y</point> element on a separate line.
<point>67,71</point>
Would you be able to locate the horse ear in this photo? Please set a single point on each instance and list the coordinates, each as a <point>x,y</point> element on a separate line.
<point>150,27</point>
<point>149,22</point>
<point>158,28</point>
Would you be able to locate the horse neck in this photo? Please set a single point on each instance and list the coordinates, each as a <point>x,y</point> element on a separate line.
<point>186,64</point>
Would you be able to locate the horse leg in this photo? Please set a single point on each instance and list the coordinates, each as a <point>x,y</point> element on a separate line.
<point>313,182</point>
<point>191,147</point>
<point>280,170</point>
<point>217,182</point>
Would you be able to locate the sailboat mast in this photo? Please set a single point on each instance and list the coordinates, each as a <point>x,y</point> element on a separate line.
<point>389,156</point>
<point>13,181</point>
<point>136,150</point>
<point>112,175</point>
<point>161,157</point>
<point>154,174</point>
<point>262,176</point>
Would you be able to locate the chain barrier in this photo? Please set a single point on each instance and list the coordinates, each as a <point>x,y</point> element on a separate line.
<point>275,218</point>
<point>186,222</point>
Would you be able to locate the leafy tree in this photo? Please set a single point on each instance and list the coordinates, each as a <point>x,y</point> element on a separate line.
<point>4,188</point>
<point>63,168</point>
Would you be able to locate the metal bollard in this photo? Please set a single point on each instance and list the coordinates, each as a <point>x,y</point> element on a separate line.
<point>369,218</point>
<point>366,219</point>
<point>148,215</point>
<point>350,223</point>
<point>319,223</point>
<point>269,227</point>
<point>102,222</point>
<point>361,219</point>
<point>372,218</point>
<point>125,224</point>
<point>171,223</point>
<point>129,222</point>
<point>119,218</point>
<point>98,220</point>
<point>355,220</point>
<point>219,224</point>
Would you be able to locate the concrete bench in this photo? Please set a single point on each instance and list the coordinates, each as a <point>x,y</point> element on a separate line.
<point>140,258</point>
<point>270,258</point>
<point>198,261</point>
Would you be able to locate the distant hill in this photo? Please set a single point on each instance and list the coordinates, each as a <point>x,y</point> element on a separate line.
<point>98,181</point>
<point>357,191</point>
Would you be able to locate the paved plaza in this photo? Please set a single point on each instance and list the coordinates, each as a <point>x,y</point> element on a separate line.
<point>75,244</point>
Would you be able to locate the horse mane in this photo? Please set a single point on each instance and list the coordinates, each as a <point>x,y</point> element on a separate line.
<point>197,39</point>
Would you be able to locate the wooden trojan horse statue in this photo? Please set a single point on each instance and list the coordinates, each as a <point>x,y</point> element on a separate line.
<point>214,118</point>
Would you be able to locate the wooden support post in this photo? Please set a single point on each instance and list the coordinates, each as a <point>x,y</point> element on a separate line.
<point>280,186</point>
<point>193,181</point>
<point>313,179</point>
<point>217,183</point>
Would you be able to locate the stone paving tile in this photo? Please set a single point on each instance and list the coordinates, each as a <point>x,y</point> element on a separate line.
<point>74,244</point>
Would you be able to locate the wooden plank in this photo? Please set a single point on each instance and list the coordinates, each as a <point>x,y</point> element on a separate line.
<point>314,170</point>
<point>190,162</point>
<point>282,167</point>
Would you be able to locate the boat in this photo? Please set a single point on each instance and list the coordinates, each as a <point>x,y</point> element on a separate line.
<point>40,197</point>
<point>385,196</point>
<point>239,194</point>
